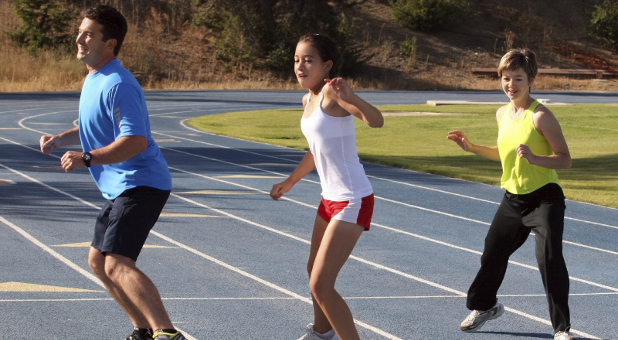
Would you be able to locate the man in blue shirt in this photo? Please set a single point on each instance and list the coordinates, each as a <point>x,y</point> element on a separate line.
<point>127,166</point>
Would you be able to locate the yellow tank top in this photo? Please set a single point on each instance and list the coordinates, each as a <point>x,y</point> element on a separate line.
<point>519,176</point>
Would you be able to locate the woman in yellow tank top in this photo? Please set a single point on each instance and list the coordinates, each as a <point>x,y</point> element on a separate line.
<point>530,147</point>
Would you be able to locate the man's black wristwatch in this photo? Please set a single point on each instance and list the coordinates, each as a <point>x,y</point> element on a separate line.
<point>86,157</point>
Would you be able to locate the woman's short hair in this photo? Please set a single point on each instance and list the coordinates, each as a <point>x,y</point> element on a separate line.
<point>519,58</point>
<point>327,49</point>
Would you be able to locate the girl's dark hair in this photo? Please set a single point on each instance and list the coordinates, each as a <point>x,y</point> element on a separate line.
<point>114,24</point>
<point>327,49</point>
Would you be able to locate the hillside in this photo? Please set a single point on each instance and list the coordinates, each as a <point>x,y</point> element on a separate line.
<point>165,51</point>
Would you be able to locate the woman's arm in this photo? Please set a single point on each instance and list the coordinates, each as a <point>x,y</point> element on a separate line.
<point>547,125</point>
<point>306,166</point>
<point>489,152</point>
<point>338,90</point>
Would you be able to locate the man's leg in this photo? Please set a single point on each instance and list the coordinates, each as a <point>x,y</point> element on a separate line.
<point>96,260</point>
<point>138,290</point>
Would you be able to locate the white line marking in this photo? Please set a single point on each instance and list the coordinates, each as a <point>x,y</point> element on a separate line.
<point>273,298</point>
<point>52,252</point>
<point>376,224</point>
<point>377,197</point>
<point>194,251</point>
<point>379,178</point>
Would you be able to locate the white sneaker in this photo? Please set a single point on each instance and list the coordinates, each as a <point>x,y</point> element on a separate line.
<point>312,335</point>
<point>563,336</point>
<point>477,318</point>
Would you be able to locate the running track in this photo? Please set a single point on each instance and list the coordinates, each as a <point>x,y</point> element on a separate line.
<point>230,262</point>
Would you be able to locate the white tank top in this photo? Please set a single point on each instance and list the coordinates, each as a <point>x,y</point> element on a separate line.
<point>332,141</point>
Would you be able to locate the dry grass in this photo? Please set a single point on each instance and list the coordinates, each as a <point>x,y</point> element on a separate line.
<point>167,53</point>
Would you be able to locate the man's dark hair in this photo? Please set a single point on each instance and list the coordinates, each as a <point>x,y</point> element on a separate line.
<point>114,24</point>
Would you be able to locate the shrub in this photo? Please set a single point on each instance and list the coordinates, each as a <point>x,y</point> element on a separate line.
<point>427,15</point>
<point>604,23</point>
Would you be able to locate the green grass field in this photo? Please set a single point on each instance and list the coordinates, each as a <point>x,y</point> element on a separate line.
<point>419,142</point>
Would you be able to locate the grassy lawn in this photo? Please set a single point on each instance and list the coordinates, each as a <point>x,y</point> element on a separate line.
<point>419,142</point>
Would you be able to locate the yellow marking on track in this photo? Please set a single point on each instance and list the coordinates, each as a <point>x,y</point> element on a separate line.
<point>219,192</point>
<point>44,167</point>
<point>166,141</point>
<point>29,287</point>
<point>171,214</point>
<point>275,164</point>
<point>10,128</point>
<point>247,176</point>
<point>6,182</point>
<point>191,134</point>
<point>87,245</point>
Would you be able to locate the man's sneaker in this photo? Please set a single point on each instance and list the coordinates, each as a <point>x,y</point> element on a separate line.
<point>312,335</point>
<point>140,334</point>
<point>161,335</point>
<point>563,336</point>
<point>477,318</point>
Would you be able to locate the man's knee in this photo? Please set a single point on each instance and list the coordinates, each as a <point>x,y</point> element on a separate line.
<point>117,265</point>
<point>96,261</point>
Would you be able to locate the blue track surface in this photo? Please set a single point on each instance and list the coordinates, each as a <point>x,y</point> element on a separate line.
<point>230,262</point>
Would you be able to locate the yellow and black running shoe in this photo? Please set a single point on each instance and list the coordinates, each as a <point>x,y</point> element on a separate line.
<point>163,335</point>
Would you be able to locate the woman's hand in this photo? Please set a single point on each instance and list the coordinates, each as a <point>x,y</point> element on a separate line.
<point>279,189</point>
<point>341,87</point>
<point>458,137</point>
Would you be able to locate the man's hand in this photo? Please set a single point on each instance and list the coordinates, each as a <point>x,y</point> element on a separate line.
<point>72,160</point>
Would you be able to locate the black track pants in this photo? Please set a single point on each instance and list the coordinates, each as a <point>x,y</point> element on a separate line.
<point>541,211</point>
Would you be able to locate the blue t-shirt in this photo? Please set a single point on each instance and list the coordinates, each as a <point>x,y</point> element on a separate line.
<point>112,105</point>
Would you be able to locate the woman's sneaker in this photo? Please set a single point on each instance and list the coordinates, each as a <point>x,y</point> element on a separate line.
<point>140,334</point>
<point>563,336</point>
<point>312,335</point>
<point>477,318</point>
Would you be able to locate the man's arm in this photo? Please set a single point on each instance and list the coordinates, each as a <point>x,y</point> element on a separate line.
<point>49,143</point>
<point>122,149</point>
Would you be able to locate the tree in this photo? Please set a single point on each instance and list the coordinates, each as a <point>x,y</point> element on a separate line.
<point>268,30</point>
<point>44,25</point>
<point>604,23</point>
<point>427,15</point>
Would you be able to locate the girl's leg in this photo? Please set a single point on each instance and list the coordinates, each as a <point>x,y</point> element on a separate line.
<point>320,323</point>
<point>336,245</point>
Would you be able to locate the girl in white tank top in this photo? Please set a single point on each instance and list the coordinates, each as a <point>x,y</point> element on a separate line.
<point>347,196</point>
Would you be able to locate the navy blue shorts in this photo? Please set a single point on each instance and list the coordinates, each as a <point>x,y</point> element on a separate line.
<point>124,223</point>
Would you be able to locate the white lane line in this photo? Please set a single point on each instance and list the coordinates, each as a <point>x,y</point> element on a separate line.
<point>35,108</point>
<point>376,224</point>
<point>21,121</point>
<point>180,245</point>
<point>376,265</point>
<point>183,123</point>
<point>274,298</point>
<point>52,252</point>
<point>484,200</point>
<point>377,197</point>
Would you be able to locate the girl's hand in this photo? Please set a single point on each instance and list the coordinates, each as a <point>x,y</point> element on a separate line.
<point>523,151</point>
<point>458,137</point>
<point>279,189</point>
<point>341,87</point>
